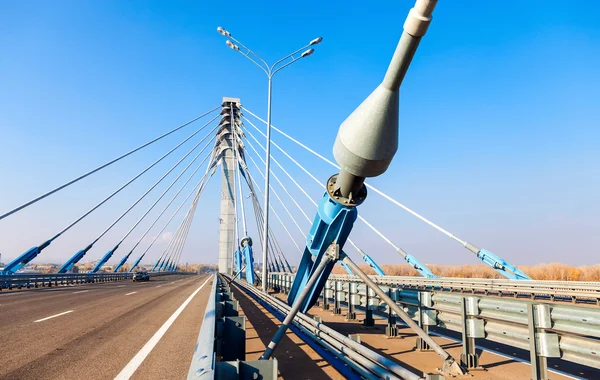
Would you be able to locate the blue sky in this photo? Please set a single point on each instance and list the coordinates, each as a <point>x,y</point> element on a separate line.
<point>499,137</point>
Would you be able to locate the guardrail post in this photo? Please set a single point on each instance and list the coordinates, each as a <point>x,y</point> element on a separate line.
<point>353,299</point>
<point>220,351</point>
<point>326,291</point>
<point>277,280</point>
<point>391,330</point>
<point>337,292</point>
<point>369,321</point>
<point>284,283</point>
<point>542,345</point>
<point>471,328</point>
<point>423,298</point>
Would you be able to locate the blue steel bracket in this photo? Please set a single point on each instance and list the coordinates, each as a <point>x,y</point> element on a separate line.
<point>332,224</point>
<point>288,266</point>
<point>276,264</point>
<point>238,263</point>
<point>280,263</point>
<point>413,262</point>
<point>122,262</point>
<point>248,258</point>
<point>74,260</point>
<point>502,266</point>
<point>104,259</point>
<point>156,265</point>
<point>371,263</point>
<point>25,258</point>
<point>163,265</point>
<point>136,264</point>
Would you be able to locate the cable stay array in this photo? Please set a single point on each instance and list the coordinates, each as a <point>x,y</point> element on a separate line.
<point>500,265</point>
<point>69,183</point>
<point>124,259</point>
<point>280,257</point>
<point>200,186</point>
<point>197,189</point>
<point>276,259</point>
<point>32,253</point>
<point>79,255</point>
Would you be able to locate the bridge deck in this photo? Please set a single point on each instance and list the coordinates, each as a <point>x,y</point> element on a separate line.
<point>108,325</point>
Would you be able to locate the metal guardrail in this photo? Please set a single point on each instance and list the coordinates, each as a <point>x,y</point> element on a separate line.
<point>546,329</point>
<point>220,351</point>
<point>42,280</point>
<point>573,291</point>
<point>362,360</point>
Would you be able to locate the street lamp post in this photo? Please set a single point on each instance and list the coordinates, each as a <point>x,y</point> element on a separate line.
<point>270,70</point>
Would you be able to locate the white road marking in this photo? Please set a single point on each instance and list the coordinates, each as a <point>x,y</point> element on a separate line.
<point>120,286</point>
<point>128,294</point>
<point>81,291</point>
<point>159,286</point>
<point>139,358</point>
<point>53,316</point>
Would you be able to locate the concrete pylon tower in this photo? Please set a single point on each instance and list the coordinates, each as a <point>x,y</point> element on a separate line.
<point>227,245</point>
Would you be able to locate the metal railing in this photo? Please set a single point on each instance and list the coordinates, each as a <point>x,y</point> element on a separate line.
<point>572,291</point>
<point>544,328</point>
<point>220,351</point>
<point>48,280</point>
<point>362,360</point>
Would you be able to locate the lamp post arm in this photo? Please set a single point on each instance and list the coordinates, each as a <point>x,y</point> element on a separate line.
<point>289,55</point>
<point>253,61</point>
<point>251,52</point>
<point>286,65</point>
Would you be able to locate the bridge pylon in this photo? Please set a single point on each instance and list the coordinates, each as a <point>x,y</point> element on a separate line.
<point>227,246</point>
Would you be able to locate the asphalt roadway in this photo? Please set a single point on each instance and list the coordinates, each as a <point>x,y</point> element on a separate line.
<point>103,331</point>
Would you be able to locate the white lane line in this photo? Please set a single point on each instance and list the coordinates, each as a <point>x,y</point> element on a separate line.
<point>81,291</point>
<point>159,286</point>
<point>128,294</point>
<point>120,286</point>
<point>53,316</point>
<point>139,358</point>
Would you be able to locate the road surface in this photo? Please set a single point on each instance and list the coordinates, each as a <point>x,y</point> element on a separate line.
<point>99,331</point>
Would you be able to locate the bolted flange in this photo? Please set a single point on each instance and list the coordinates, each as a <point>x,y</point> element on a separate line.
<point>335,193</point>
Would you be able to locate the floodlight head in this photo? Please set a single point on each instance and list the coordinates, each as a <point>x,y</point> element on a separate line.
<point>232,45</point>
<point>316,41</point>
<point>223,32</point>
<point>307,53</point>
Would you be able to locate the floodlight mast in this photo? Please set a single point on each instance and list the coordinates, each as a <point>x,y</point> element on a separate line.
<point>270,71</point>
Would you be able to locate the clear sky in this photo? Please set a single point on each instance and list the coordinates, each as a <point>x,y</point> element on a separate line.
<point>499,122</point>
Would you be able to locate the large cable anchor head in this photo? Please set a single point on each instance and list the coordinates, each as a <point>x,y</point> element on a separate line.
<point>368,139</point>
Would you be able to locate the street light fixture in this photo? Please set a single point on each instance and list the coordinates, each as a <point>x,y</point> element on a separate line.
<point>270,71</point>
<point>307,53</point>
